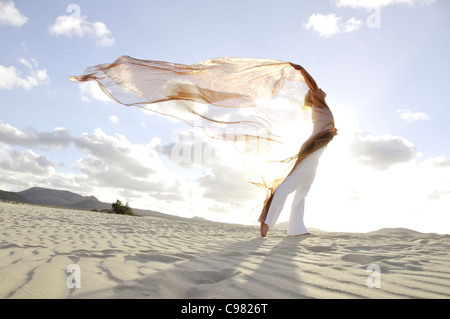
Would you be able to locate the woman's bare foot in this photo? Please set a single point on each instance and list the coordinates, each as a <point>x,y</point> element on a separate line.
<point>264,229</point>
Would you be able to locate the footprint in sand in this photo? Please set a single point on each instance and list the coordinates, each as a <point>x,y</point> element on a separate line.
<point>175,282</point>
<point>319,249</point>
<point>212,277</point>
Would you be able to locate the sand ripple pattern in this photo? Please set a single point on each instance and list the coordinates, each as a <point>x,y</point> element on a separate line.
<point>149,257</point>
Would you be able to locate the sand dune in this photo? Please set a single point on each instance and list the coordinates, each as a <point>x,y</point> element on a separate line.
<point>146,257</point>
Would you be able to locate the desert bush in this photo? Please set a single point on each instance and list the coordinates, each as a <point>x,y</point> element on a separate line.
<point>119,208</point>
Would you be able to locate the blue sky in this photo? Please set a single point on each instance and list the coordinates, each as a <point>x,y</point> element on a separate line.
<point>385,70</point>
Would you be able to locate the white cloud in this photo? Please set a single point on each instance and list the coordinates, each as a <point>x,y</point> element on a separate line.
<point>11,77</point>
<point>330,24</point>
<point>360,193</point>
<point>113,161</point>
<point>383,181</point>
<point>438,162</point>
<point>58,138</point>
<point>351,25</point>
<point>379,3</point>
<point>109,162</point>
<point>438,194</point>
<point>220,181</point>
<point>190,148</point>
<point>228,184</point>
<point>70,26</point>
<point>114,119</point>
<point>9,15</point>
<point>26,161</point>
<point>92,90</point>
<point>410,116</point>
<point>381,151</point>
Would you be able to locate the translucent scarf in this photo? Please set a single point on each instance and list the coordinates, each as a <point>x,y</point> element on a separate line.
<point>258,104</point>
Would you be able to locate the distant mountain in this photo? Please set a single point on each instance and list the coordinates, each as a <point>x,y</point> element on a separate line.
<point>13,197</point>
<point>398,230</point>
<point>51,197</point>
<point>90,203</point>
<point>198,218</point>
<point>66,199</point>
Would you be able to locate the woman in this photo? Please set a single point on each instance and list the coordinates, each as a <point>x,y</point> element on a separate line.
<point>302,175</point>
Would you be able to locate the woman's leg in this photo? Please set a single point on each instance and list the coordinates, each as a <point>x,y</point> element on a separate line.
<point>299,180</point>
<point>279,198</point>
<point>296,225</point>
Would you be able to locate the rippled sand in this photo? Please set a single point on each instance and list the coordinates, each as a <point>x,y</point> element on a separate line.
<point>113,256</point>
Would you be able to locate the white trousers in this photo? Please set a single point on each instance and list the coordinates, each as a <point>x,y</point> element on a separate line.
<point>299,181</point>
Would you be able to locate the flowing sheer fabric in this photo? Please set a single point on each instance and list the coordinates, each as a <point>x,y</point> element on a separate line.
<point>255,103</point>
